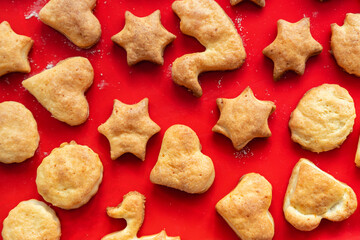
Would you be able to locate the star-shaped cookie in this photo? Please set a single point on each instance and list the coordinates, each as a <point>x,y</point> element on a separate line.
<point>243,118</point>
<point>14,50</point>
<point>143,38</point>
<point>129,128</point>
<point>261,3</point>
<point>292,47</point>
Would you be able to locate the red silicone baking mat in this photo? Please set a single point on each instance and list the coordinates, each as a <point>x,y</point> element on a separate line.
<point>182,214</point>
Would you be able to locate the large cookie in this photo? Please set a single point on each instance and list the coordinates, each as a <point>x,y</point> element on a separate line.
<point>19,137</point>
<point>31,220</point>
<point>69,176</point>
<point>74,19</point>
<point>323,118</point>
<point>345,43</point>
<point>61,89</point>
<point>246,208</point>
<point>313,194</point>
<point>208,23</point>
<point>181,164</point>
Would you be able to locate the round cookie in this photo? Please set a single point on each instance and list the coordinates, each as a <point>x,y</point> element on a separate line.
<point>31,220</point>
<point>323,118</point>
<point>19,137</point>
<point>69,176</point>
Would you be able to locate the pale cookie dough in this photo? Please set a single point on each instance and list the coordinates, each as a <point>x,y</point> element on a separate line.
<point>246,208</point>
<point>14,50</point>
<point>132,209</point>
<point>31,220</point>
<point>292,47</point>
<point>181,164</point>
<point>313,194</point>
<point>129,128</point>
<point>61,89</point>
<point>208,23</point>
<point>74,19</point>
<point>19,136</point>
<point>69,176</point>
<point>143,38</point>
<point>357,155</point>
<point>244,118</point>
<point>345,43</point>
<point>323,118</point>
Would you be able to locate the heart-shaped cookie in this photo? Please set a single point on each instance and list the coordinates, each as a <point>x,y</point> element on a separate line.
<point>246,208</point>
<point>61,89</point>
<point>74,19</point>
<point>181,164</point>
<point>313,194</point>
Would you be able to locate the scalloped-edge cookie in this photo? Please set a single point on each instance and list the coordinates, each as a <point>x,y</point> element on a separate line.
<point>260,3</point>
<point>132,209</point>
<point>14,50</point>
<point>345,44</point>
<point>246,208</point>
<point>19,136</point>
<point>74,19</point>
<point>61,89</point>
<point>313,194</point>
<point>69,176</point>
<point>323,118</point>
<point>31,220</point>
<point>208,23</point>
<point>181,164</point>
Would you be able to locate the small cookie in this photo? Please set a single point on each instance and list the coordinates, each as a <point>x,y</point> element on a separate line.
<point>132,209</point>
<point>129,128</point>
<point>292,47</point>
<point>143,38</point>
<point>261,3</point>
<point>345,44</point>
<point>61,89</point>
<point>208,23</point>
<point>31,220</point>
<point>74,19</point>
<point>323,118</point>
<point>19,136</point>
<point>69,176</point>
<point>181,164</point>
<point>246,208</point>
<point>313,194</point>
<point>14,50</point>
<point>243,118</point>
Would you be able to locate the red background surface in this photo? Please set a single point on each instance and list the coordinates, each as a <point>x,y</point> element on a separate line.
<point>182,214</point>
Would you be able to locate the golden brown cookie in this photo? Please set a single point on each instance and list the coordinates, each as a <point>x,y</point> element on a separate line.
<point>129,128</point>
<point>292,47</point>
<point>181,164</point>
<point>208,23</point>
<point>61,89</point>
<point>31,220</point>
<point>323,118</point>
<point>261,3</point>
<point>74,19</point>
<point>357,155</point>
<point>143,38</point>
<point>132,209</point>
<point>14,50</point>
<point>243,118</point>
<point>246,208</point>
<point>345,44</point>
<point>69,176</point>
<point>313,194</point>
<point>19,136</point>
